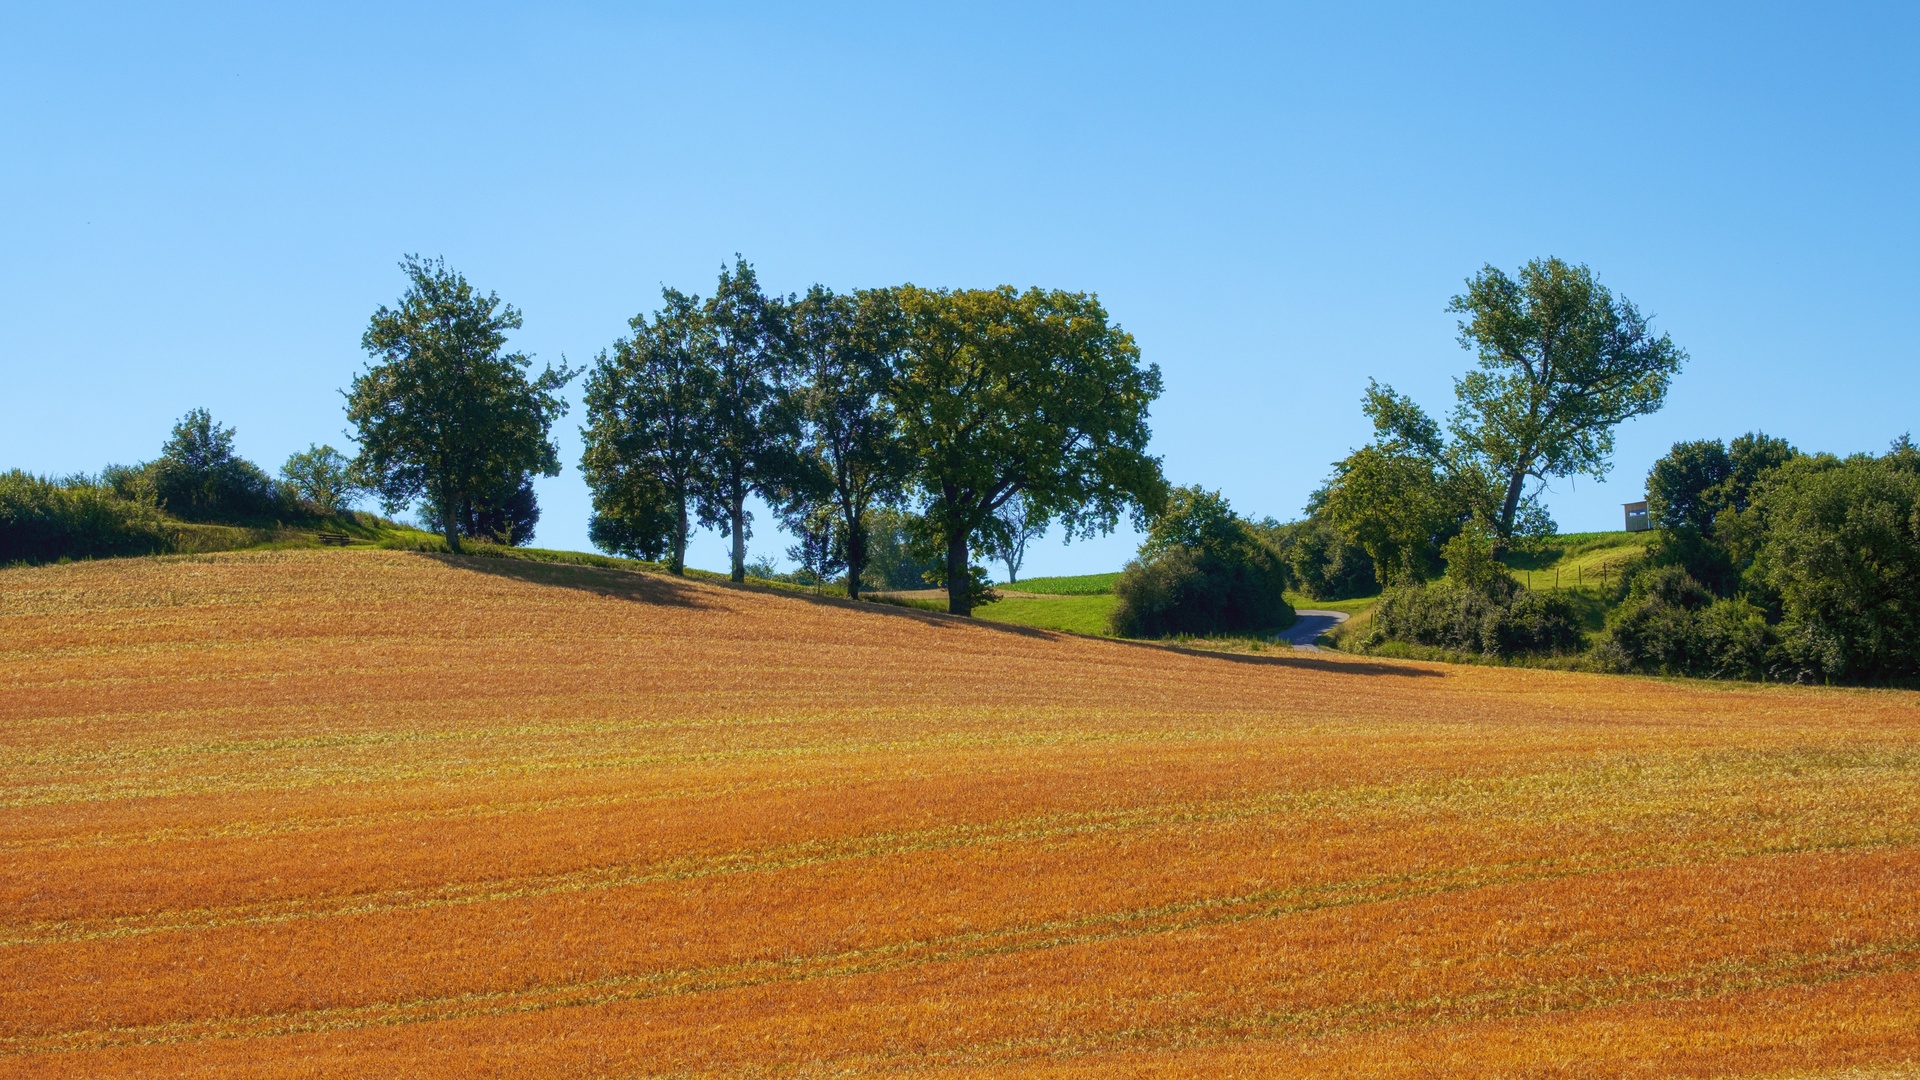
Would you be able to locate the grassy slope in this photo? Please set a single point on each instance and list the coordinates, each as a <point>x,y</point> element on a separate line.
<point>377,813</point>
<point>1079,585</point>
<point>1076,614</point>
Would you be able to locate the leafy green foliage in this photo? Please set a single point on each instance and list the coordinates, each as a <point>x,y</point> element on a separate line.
<point>1202,570</point>
<point>322,478</point>
<point>1499,619</point>
<point>647,439</point>
<point>851,461</point>
<point>446,414</point>
<point>1839,554</point>
<point>506,515</point>
<point>1014,526</point>
<point>1563,362</point>
<point>45,520</point>
<point>1325,565</point>
<point>1000,394</point>
<point>751,426</point>
<point>1398,507</point>
<point>1671,624</point>
<point>901,555</point>
<point>1696,481</point>
<point>198,477</point>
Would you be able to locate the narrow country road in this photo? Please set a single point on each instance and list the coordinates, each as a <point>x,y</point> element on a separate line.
<point>1310,625</point>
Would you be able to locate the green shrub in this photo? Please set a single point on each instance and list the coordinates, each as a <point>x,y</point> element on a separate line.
<point>1839,558</point>
<point>1671,624</point>
<point>1203,570</point>
<point>1324,564</point>
<point>43,520</point>
<point>197,477</point>
<point>1498,619</point>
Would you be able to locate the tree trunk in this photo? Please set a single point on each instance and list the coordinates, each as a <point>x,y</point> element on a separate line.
<point>959,582</point>
<point>449,523</point>
<point>856,556</point>
<point>739,511</point>
<point>1509,508</point>
<point>677,561</point>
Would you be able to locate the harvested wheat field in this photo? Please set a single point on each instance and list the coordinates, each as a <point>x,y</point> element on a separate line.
<point>358,813</point>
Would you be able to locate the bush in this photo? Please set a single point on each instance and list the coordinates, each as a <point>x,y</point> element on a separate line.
<point>43,520</point>
<point>1323,563</point>
<point>1202,571</point>
<point>1671,624</point>
<point>199,478</point>
<point>1498,619</point>
<point>1839,554</point>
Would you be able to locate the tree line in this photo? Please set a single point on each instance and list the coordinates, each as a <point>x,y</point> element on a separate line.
<point>988,413</point>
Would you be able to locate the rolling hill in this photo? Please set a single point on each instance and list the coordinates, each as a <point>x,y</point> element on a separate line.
<point>384,813</point>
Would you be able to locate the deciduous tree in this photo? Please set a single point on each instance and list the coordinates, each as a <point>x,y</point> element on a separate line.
<point>1001,394</point>
<point>445,413</point>
<point>1562,363</point>
<point>647,436</point>
<point>851,459</point>
<point>752,431</point>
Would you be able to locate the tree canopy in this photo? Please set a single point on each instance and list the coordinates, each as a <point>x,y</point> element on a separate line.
<point>851,458</point>
<point>751,428</point>
<point>1001,393</point>
<point>1562,363</point>
<point>647,438</point>
<point>444,412</point>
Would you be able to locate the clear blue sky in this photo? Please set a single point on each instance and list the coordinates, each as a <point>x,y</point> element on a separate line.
<point>203,205</point>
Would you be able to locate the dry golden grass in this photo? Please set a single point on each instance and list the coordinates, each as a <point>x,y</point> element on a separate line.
<point>358,813</point>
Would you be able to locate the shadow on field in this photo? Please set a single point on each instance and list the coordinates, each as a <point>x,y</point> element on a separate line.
<point>656,589</point>
<point>1309,663</point>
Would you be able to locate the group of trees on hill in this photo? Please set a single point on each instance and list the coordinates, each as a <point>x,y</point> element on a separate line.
<point>988,413</point>
<point>1561,363</point>
<point>197,477</point>
<point>1774,564</point>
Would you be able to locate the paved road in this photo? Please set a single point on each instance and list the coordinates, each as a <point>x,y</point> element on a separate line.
<point>1310,625</point>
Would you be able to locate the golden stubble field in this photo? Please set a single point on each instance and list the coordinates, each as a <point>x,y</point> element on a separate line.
<point>382,814</point>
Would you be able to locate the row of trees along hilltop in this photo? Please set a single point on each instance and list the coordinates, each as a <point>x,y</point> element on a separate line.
<point>991,412</point>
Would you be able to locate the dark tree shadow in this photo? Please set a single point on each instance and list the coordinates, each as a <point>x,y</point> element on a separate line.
<point>1309,663</point>
<point>664,590</point>
<point>657,589</point>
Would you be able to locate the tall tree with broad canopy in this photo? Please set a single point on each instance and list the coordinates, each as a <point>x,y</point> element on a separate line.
<point>647,436</point>
<point>1563,362</point>
<point>850,461</point>
<point>446,413</point>
<point>1001,394</point>
<point>752,429</point>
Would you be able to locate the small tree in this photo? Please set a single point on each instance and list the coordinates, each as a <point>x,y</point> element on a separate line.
<point>446,413</point>
<point>1678,483</point>
<point>822,547</point>
<point>647,440</point>
<point>322,477</point>
<point>1014,526</point>
<point>851,459</point>
<point>1001,394</point>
